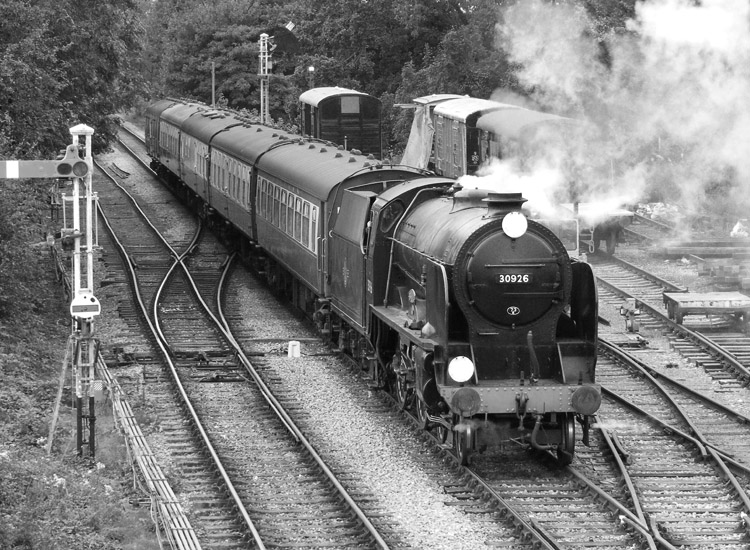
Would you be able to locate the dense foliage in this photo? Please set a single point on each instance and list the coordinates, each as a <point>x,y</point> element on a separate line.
<point>63,63</point>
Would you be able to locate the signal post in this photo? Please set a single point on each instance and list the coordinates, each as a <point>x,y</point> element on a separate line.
<point>84,305</point>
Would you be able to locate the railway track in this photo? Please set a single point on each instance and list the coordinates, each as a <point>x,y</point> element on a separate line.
<point>216,367</point>
<point>646,230</point>
<point>516,500</point>
<point>513,486</point>
<point>502,514</point>
<point>185,331</point>
<point>702,397</point>
<point>680,455</point>
<point>712,343</point>
<point>150,259</point>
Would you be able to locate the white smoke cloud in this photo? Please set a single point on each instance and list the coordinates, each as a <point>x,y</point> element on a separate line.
<point>539,186</point>
<point>672,98</point>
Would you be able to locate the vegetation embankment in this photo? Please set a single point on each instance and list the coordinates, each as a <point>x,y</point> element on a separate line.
<point>57,500</point>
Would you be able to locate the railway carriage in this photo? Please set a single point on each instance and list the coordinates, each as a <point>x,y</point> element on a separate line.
<point>171,135</point>
<point>419,149</point>
<point>233,152</point>
<point>452,297</point>
<point>197,133</point>
<point>153,126</point>
<point>309,242</point>
<point>457,142</point>
<point>343,116</point>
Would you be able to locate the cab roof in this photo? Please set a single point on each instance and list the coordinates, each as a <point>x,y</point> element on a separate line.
<point>462,109</point>
<point>513,123</point>
<point>316,95</point>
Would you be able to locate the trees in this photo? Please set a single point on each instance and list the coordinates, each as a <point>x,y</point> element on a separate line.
<point>63,63</point>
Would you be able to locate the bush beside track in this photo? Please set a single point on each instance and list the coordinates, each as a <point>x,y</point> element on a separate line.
<point>58,501</point>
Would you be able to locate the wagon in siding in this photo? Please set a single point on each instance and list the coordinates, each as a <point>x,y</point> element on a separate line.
<point>419,149</point>
<point>680,304</point>
<point>457,142</point>
<point>525,134</point>
<point>342,116</point>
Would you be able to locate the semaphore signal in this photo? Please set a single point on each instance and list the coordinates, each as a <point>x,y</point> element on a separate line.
<point>70,166</point>
<point>84,306</point>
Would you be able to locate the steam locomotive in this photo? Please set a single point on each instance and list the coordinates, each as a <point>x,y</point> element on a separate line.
<point>452,297</point>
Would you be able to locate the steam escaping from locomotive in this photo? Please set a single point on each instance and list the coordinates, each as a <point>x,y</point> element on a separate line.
<point>670,93</point>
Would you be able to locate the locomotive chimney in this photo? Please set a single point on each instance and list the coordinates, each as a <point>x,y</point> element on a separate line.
<point>502,203</point>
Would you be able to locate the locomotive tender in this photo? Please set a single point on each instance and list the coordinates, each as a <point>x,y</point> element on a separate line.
<point>450,296</point>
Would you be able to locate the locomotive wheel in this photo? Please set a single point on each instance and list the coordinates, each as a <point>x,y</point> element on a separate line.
<point>567,447</point>
<point>421,412</point>
<point>462,444</point>
<point>441,432</point>
<point>403,392</point>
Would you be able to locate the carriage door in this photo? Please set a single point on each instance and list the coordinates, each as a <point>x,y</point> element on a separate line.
<point>347,254</point>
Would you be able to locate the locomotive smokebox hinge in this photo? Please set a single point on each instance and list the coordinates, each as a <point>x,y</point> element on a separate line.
<point>522,400</point>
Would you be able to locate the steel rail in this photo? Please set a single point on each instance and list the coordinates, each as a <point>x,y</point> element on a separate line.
<point>705,448</point>
<point>277,408</point>
<point>167,357</point>
<point>735,366</point>
<point>296,432</point>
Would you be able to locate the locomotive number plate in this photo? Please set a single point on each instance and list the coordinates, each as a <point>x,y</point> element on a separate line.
<point>513,278</point>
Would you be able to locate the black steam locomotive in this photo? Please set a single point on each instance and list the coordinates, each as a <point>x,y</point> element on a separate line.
<point>452,296</point>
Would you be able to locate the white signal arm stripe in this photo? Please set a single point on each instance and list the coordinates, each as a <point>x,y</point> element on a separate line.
<point>9,169</point>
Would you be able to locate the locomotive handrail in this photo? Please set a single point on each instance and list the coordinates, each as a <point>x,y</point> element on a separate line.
<point>393,241</point>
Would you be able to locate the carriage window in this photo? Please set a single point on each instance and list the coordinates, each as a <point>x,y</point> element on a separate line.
<point>314,229</point>
<point>349,105</point>
<point>261,187</point>
<point>225,176</point>
<point>276,195</point>
<point>290,214</point>
<point>297,218</point>
<point>282,211</point>
<point>268,200</point>
<point>306,224</point>
<point>247,190</point>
